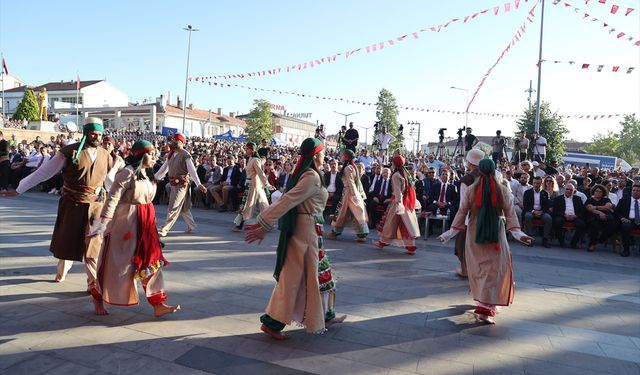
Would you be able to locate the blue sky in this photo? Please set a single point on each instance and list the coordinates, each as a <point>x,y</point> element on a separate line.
<point>140,48</point>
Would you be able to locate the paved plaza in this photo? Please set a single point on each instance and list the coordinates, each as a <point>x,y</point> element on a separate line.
<point>574,313</point>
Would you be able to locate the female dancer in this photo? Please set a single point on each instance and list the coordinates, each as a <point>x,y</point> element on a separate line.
<point>131,249</point>
<point>296,296</point>
<point>351,207</point>
<point>399,225</point>
<point>486,249</point>
<point>255,197</point>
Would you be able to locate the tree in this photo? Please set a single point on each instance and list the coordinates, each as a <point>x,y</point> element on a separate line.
<point>551,127</point>
<point>260,122</point>
<point>605,144</point>
<point>28,107</point>
<point>387,114</point>
<point>630,139</point>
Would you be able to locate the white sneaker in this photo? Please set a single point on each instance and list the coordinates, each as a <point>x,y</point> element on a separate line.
<point>52,191</point>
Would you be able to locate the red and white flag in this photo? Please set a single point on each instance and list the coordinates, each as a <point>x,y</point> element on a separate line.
<point>4,66</point>
<point>78,81</point>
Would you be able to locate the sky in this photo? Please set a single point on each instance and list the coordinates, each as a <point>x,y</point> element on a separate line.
<point>140,47</point>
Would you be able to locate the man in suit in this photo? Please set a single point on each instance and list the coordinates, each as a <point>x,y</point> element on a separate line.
<point>536,206</point>
<point>427,183</point>
<point>333,182</point>
<point>443,196</point>
<point>628,213</point>
<point>568,208</point>
<point>238,181</point>
<point>229,178</point>
<point>380,195</point>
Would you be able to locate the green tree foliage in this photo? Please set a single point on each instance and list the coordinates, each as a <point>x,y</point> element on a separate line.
<point>625,144</point>
<point>28,107</point>
<point>260,122</point>
<point>551,127</point>
<point>387,114</point>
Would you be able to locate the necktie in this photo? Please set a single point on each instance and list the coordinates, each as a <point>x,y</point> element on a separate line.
<point>373,183</point>
<point>636,211</point>
<point>441,199</point>
<point>383,189</point>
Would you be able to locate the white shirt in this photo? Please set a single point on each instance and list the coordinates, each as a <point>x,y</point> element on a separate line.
<point>385,139</point>
<point>374,181</point>
<point>332,183</point>
<point>190,167</point>
<point>540,147</point>
<point>632,210</point>
<point>568,204</point>
<point>33,161</point>
<point>536,200</point>
<point>229,173</point>
<point>384,187</point>
<point>613,197</point>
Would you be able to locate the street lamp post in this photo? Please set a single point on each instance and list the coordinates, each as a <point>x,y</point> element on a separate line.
<point>366,134</point>
<point>415,130</point>
<point>466,108</point>
<point>186,79</point>
<point>346,115</point>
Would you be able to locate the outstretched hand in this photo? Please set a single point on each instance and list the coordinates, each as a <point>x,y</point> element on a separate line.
<point>254,232</point>
<point>525,239</point>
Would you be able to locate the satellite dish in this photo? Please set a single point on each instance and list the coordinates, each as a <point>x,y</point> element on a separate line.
<point>71,126</point>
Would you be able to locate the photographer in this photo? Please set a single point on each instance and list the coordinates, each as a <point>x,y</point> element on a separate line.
<point>498,143</point>
<point>539,147</point>
<point>320,134</point>
<point>470,141</point>
<point>520,147</point>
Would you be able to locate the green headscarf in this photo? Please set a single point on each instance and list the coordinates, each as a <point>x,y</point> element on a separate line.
<point>93,124</point>
<point>254,147</point>
<point>486,200</point>
<point>309,148</point>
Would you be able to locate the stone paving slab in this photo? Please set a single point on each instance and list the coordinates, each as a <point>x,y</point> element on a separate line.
<point>574,313</point>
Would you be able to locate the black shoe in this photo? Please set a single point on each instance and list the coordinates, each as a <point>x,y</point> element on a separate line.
<point>545,243</point>
<point>625,253</point>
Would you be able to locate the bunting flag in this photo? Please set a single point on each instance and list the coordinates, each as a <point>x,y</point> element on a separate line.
<point>371,48</point>
<point>612,30</point>
<point>225,85</point>
<point>600,67</point>
<point>516,38</point>
<point>614,7</point>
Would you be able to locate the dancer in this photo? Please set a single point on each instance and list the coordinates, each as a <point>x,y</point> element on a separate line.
<point>131,248</point>
<point>85,166</point>
<point>351,207</point>
<point>255,198</point>
<point>399,225</point>
<point>180,167</point>
<point>111,146</point>
<point>297,296</point>
<point>487,250</point>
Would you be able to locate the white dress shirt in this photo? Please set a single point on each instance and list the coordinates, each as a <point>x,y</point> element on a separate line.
<point>568,204</point>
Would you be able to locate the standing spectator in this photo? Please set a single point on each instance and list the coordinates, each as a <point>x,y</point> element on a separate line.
<point>384,139</point>
<point>351,137</point>
<point>497,144</point>
<point>520,148</point>
<point>470,141</point>
<point>539,150</point>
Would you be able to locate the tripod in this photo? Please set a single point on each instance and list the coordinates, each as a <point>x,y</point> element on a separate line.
<point>441,150</point>
<point>459,148</point>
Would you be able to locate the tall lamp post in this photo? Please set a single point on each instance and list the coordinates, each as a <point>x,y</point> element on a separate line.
<point>346,115</point>
<point>366,134</point>
<point>415,131</point>
<point>466,110</point>
<point>186,78</point>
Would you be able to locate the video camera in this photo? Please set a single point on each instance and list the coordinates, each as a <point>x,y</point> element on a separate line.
<point>441,134</point>
<point>460,131</point>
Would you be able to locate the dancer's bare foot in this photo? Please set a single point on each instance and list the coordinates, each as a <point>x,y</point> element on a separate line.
<point>274,334</point>
<point>99,307</point>
<point>59,278</point>
<point>164,309</point>
<point>336,320</point>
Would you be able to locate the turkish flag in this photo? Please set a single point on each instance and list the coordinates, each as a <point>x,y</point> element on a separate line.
<point>4,66</point>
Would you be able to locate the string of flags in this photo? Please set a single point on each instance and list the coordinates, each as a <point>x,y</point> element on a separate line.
<point>599,67</point>
<point>614,7</point>
<point>612,30</point>
<point>516,38</point>
<point>371,48</point>
<point>365,103</point>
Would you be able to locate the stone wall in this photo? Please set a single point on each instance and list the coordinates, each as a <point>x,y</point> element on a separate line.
<point>28,135</point>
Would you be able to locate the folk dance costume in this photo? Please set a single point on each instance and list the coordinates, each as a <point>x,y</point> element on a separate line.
<point>118,163</point>
<point>181,171</point>
<point>487,255</point>
<point>84,171</point>
<point>255,197</point>
<point>297,294</point>
<point>399,225</point>
<point>131,248</point>
<point>351,207</point>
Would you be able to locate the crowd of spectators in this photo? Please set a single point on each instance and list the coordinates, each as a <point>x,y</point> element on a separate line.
<point>546,196</point>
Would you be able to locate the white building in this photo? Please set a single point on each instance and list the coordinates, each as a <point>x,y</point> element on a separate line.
<point>62,96</point>
<point>9,82</point>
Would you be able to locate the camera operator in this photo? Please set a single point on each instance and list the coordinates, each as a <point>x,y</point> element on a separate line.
<point>384,139</point>
<point>520,147</point>
<point>351,137</point>
<point>498,143</point>
<point>470,141</point>
<point>539,147</point>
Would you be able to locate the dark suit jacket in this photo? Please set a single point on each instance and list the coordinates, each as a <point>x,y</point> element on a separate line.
<point>235,175</point>
<point>366,182</point>
<point>559,206</point>
<point>281,178</point>
<point>450,196</point>
<point>527,199</point>
<point>384,195</point>
<point>339,185</point>
<point>623,207</point>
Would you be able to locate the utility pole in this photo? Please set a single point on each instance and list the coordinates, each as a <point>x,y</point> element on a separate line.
<point>186,79</point>
<point>415,131</point>
<point>537,124</point>
<point>346,115</point>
